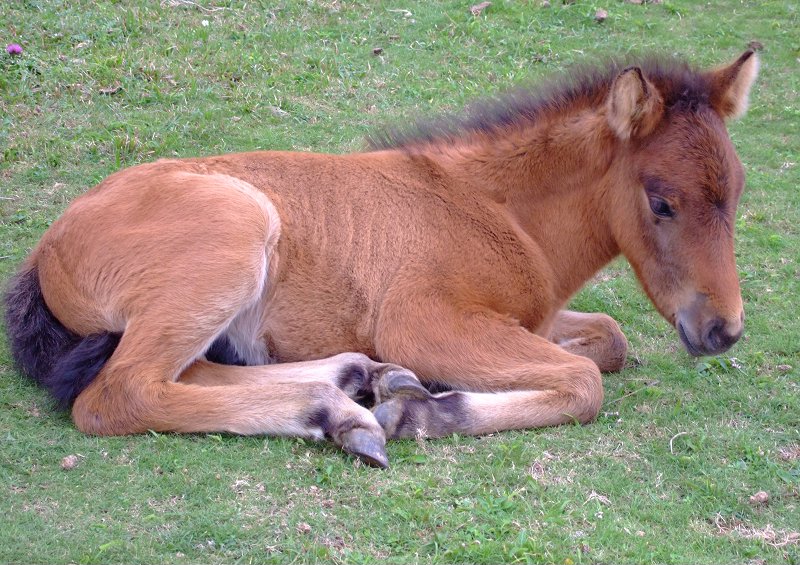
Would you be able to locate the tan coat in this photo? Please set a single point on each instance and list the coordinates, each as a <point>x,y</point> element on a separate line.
<point>446,258</point>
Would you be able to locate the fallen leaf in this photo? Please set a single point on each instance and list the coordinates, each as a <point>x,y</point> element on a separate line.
<point>303,528</point>
<point>111,89</point>
<point>278,112</point>
<point>377,50</point>
<point>759,498</point>
<point>477,9</point>
<point>602,499</point>
<point>69,462</point>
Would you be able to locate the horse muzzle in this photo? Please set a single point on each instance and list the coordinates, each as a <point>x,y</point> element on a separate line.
<point>707,333</point>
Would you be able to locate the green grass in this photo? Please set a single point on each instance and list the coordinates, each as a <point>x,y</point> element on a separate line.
<point>663,476</point>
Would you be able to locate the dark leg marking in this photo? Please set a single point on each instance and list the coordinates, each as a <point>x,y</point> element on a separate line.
<point>409,415</point>
<point>321,419</point>
<point>355,380</point>
<point>369,382</point>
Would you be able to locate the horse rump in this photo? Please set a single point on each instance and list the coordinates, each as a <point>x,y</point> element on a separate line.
<point>59,360</point>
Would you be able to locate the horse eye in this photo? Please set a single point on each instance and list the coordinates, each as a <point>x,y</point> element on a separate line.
<point>660,207</point>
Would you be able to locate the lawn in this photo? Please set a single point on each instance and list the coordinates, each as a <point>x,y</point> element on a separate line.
<point>667,472</point>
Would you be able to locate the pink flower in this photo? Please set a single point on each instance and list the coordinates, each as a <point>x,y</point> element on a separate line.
<point>14,49</point>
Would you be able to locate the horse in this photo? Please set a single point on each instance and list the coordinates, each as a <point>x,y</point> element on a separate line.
<point>416,288</point>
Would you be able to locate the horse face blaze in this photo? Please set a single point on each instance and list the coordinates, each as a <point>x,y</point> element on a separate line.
<point>686,214</point>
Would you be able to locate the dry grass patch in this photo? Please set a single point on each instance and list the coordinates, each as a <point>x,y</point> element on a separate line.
<point>733,526</point>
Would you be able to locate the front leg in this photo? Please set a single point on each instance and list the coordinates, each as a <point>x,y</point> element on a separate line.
<point>503,376</point>
<point>596,336</point>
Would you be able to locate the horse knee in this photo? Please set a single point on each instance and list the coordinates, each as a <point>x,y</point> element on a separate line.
<point>615,345</point>
<point>601,340</point>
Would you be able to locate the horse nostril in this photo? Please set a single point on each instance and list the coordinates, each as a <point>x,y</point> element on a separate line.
<point>719,337</point>
<point>713,336</point>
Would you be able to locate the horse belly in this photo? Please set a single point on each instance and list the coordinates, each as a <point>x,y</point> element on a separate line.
<point>304,324</point>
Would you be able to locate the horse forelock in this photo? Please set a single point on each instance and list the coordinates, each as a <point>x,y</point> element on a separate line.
<point>682,87</point>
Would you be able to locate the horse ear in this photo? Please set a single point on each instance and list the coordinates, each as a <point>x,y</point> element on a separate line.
<point>730,85</point>
<point>634,106</point>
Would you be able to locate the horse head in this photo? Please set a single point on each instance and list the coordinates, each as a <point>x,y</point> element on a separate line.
<point>677,191</point>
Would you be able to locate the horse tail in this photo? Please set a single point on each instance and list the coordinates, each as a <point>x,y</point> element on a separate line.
<point>59,360</point>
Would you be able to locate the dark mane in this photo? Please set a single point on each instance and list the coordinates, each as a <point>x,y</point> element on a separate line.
<point>681,85</point>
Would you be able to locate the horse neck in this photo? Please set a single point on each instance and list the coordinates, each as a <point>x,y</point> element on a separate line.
<point>553,181</point>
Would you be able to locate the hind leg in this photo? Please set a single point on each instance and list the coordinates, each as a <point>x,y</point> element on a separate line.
<point>142,387</point>
<point>176,269</point>
<point>127,400</point>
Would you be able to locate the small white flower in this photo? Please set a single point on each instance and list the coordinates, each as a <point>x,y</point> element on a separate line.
<point>205,23</point>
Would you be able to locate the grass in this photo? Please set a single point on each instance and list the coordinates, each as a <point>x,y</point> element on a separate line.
<point>664,475</point>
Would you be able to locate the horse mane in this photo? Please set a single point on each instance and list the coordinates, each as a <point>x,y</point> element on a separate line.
<point>580,86</point>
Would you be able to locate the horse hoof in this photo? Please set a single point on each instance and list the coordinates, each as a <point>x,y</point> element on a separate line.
<point>367,446</point>
<point>399,382</point>
<point>391,415</point>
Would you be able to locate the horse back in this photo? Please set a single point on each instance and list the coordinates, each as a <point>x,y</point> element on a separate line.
<point>359,228</point>
<point>354,229</point>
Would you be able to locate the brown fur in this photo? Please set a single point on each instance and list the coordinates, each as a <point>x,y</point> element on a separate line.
<point>451,252</point>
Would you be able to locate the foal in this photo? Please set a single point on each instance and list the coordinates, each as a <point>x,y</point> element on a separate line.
<point>282,293</point>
